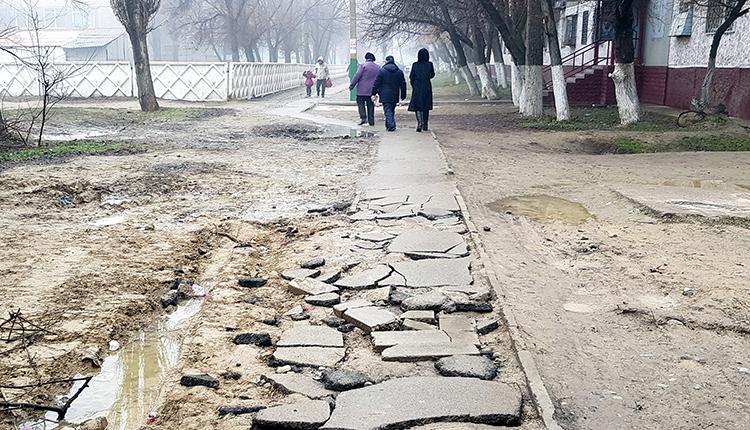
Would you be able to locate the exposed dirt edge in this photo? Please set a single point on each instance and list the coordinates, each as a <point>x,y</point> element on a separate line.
<point>540,396</point>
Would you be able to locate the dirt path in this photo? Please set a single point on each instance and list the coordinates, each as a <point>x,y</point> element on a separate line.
<point>635,321</point>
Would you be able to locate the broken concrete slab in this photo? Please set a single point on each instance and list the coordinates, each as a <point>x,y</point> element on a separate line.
<point>434,272</point>
<point>325,299</point>
<point>685,201</point>
<point>470,366</point>
<point>313,263</point>
<point>259,339</point>
<point>387,339</point>
<point>300,415</point>
<point>332,321</point>
<point>433,300</point>
<point>299,273</point>
<point>472,306</point>
<point>309,286</point>
<point>416,325</point>
<point>403,402</point>
<point>376,295</point>
<point>315,356</point>
<point>364,215</point>
<point>200,379</point>
<point>374,236</point>
<point>342,380</point>
<point>427,351</point>
<point>252,282</point>
<point>487,325</point>
<point>298,383</point>
<point>339,309</point>
<point>310,335</point>
<point>365,279</point>
<point>239,410</point>
<point>329,276</point>
<point>442,202</point>
<point>434,214</point>
<point>430,244</point>
<point>427,316</point>
<point>456,323</point>
<point>371,318</point>
<point>467,337</point>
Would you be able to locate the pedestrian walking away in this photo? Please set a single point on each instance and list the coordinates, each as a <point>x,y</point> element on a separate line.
<point>309,75</point>
<point>421,88</point>
<point>390,85</point>
<point>364,80</point>
<point>322,75</point>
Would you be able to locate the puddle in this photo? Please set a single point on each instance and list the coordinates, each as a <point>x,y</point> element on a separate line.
<point>542,208</point>
<point>77,134</point>
<point>129,383</point>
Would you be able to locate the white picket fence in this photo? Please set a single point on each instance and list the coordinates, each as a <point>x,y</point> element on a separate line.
<point>172,81</point>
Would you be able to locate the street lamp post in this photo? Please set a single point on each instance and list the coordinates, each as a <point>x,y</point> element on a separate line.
<point>352,45</point>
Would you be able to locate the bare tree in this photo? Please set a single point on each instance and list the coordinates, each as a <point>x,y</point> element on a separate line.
<point>136,16</point>
<point>621,14</point>
<point>531,94</point>
<point>559,85</point>
<point>723,13</point>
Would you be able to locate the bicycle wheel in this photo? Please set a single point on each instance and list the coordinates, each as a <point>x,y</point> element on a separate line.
<point>690,117</point>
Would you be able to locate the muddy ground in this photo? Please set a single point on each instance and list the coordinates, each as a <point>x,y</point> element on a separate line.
<point>635,321</point>
<point>91,243</point>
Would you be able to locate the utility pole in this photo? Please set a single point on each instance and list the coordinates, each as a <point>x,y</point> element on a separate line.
<point>352,45</point>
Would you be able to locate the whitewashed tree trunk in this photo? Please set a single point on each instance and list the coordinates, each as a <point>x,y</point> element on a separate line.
<point>516,83</point>
<point>488,86</point>
<point>457,76</point>
<point>559,88</point>
<point>502,79</point>
<point>470,81</point>
<point>533,84</point>
<point>473,69</point>
<point>626,93</point>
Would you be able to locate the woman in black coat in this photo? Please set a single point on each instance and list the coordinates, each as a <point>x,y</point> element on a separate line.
<point>421,88</point>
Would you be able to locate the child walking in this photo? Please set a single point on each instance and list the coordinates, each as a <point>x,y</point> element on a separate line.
<point>309,75</point>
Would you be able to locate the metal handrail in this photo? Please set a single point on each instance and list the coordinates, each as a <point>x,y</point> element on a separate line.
<point>578,68</point>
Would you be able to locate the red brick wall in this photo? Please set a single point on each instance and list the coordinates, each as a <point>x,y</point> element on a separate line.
<point>652,83</point>
<point>731,87</point>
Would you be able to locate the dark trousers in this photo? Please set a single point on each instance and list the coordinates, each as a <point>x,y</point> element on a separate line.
<point>366,109</point>
<point>320,87</point>
<point>423,117</point>
<point>309,90</point>
<point>389,109</point>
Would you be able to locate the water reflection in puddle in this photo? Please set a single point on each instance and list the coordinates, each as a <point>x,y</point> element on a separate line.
<point>542,208</point>
<point>129,383</point>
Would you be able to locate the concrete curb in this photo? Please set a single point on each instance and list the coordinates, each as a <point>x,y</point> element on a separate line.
<point>544,405</point>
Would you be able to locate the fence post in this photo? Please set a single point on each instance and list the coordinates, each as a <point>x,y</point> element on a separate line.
<point>132,79</point>
<point>229,80</point>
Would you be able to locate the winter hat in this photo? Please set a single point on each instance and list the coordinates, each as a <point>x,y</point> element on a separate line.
<point>370,56</point>
<point>320,58</point>
<point>389,59</point>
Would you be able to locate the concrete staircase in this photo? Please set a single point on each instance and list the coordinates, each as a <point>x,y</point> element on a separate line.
<point>590,86</point>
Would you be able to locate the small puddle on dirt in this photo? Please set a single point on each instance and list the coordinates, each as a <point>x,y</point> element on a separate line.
<point>542,208</point>
<point>130,381</point>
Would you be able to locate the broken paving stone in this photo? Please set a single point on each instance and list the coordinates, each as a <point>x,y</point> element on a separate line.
<point>342,380</point>
<point>300,415</point>
<point>313,263</point>
<point>310,335</point>
<point>329,276</point>
<point>433,300</point>
<point>427,351</point>
<point>427,316</point>
<point>366,279</point>
<point>299,317</point>
<point>252,282</point>
<point>472,306</point>
<point>387,339</point>
<point>364,215</point>
<point>469,366</point>
<point>416,325</point>
<point>332,321</point>
<point>371,318</point>
<point>201,379</point>
<point>402,402</point>
<point>299,383</point>
<point>433,214</point>
<point>456,323</point>
<point>309,286</point>
<point>315,356</point>
<point>374,236</point>
<point>437,243</point>
<point>397,296</point>
<point>486,325</point>
<point>239,410</point>
<point>345,328</point>
<point>325,299</point>
<point>299,273</point>
<point>339,309</point>
<point>377,295</point>
<point>433,272</point>
<point>259,339</point>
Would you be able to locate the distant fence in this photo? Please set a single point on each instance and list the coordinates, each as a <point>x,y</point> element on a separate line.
<point>172,81</point>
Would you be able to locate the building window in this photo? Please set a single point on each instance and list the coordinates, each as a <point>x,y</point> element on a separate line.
<point>571,27</point>
<point>585,28</point>
<point>716,12</point>
<point>80,19</point>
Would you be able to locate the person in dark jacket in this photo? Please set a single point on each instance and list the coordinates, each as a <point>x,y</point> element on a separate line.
<point>421,88</point>
<point>363,80</point>
<point>389,85</point>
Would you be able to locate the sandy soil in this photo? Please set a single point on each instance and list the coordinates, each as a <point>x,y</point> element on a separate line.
<point>600,302</point>
<point>91,243</point>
